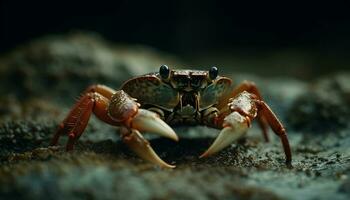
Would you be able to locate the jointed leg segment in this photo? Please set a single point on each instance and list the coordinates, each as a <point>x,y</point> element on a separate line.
<point>95,100</point>
<point>277,128</point>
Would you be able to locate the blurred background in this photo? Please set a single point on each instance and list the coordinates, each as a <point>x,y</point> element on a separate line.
<point>302,39</point>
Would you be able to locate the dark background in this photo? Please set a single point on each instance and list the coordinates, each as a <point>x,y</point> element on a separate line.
<point>196,30</point>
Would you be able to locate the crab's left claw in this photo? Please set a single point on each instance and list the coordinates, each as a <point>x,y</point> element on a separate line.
<point>142,147</point>
<point>235,125</point>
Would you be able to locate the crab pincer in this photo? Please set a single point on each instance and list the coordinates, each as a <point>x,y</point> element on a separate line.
<point>234,126</point>
<point>243,109</point>
<point>125,109</point>
<point>119,109</point>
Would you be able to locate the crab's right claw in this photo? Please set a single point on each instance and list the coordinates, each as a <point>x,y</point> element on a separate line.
<point>142,148</point>
<point>235,125</point>
<point>148,121</point>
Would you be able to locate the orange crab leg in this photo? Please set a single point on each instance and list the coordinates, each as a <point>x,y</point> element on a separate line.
<point>101,89</point>
<point>277,127</point>
<point>94,100</point>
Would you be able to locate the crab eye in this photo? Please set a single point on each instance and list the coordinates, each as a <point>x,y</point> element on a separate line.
<point>164,71</point>
<point>213,73</point>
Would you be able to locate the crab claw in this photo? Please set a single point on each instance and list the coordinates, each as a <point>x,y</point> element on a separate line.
<point>148,121</point>
<point>142,148</point>
<point>235,125</point>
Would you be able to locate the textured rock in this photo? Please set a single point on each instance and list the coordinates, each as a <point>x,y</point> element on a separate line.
<point>60,67</point>
<point>324,108</point>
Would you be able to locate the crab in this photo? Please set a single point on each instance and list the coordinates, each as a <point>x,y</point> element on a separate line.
<point>156,101</point>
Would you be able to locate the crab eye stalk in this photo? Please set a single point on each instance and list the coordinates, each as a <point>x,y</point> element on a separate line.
<point>164,71</point>
<point>213,73</point>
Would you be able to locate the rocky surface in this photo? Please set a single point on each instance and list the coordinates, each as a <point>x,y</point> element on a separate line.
<point>41,79</point>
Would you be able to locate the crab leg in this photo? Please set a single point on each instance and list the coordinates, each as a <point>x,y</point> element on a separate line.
<point>278,128</point>
<point>94,99</point>
<point>78,118</point>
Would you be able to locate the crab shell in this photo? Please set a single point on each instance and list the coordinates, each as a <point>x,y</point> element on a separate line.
<point>183,88</point>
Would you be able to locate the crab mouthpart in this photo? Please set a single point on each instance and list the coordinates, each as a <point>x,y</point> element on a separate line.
<point>148,121</point>
<point>189,99</point>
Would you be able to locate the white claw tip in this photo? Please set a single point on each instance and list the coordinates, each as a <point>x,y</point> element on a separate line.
<point>165,165</point>
<point>204,155</point>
